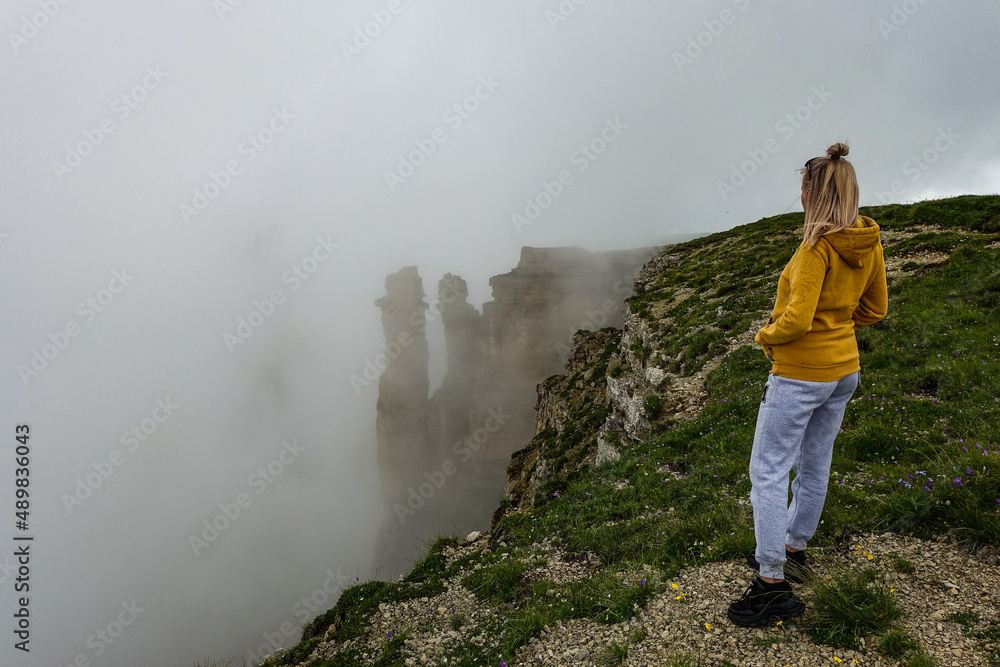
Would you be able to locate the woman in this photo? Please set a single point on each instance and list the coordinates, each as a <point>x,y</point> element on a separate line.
<point>833,285</point>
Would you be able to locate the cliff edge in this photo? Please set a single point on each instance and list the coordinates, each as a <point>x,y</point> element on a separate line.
<point>622,535</point>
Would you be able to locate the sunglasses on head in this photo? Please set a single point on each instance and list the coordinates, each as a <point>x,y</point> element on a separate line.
<point>833,158</point>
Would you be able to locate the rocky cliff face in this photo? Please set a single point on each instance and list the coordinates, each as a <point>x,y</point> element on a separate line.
<point>621,386</point>
<point>612,390</point>
<point>570,412</point>
<point>442,458</point>
<point>402,388</point>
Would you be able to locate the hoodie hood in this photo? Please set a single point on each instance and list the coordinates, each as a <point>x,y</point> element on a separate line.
<point>855,244</point>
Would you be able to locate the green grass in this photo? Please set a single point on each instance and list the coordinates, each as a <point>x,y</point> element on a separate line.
<point>966,619</point>
<point>431,566</point>
<point>615,654</point>
<point>921,660</point>
<point>856,603</point>
<point>902,565</point>
<point>498,584</point>
<point>897,644</point>
<point>651,404</point>
<point>604,598</point>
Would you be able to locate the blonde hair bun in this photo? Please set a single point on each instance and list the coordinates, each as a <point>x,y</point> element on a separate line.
<point>838,151</point>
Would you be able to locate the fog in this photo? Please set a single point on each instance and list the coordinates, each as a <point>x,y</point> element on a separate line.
<point>200,200</point>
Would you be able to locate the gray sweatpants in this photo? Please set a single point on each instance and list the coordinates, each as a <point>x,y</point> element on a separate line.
<point>796,426</point>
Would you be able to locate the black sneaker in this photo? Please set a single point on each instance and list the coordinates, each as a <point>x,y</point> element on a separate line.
<point>796,568</point>
<point>762,601</point>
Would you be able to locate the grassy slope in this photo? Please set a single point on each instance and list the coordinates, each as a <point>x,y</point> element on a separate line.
<point>918,452</point>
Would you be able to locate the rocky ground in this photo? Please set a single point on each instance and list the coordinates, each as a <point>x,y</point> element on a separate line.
<point>689,619</point>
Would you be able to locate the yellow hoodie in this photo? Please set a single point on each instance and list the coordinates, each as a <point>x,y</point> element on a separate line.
<point>824,294</point>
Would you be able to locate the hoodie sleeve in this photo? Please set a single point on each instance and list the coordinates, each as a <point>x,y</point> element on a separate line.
<point>874,303</point>
<point>807,271</point>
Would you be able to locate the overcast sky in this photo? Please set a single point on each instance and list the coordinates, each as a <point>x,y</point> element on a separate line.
<point>170,167</point>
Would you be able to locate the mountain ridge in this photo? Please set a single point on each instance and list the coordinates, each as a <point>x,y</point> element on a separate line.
<point>626,512</point>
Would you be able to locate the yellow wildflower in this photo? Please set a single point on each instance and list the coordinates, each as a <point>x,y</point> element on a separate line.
<point>708,627</point>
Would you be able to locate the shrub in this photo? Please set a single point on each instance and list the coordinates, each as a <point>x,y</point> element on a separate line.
<point>615,654</point>
<point>855,604</point>
<point>896,644</point>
